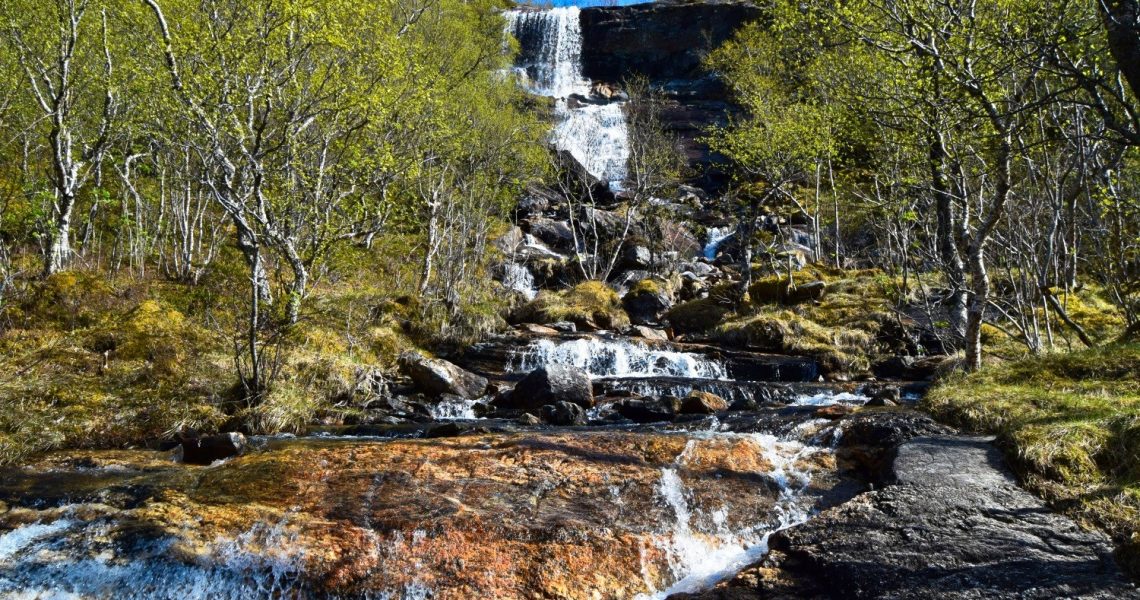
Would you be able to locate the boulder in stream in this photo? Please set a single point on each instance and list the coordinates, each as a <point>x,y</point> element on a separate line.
<point>438,377</point>
<point>208,449</point>
<point>549,385</point>
<point>564,414</point>
<point>703,403</point>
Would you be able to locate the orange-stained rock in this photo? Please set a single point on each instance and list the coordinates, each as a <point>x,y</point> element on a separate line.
<point>535,515</point>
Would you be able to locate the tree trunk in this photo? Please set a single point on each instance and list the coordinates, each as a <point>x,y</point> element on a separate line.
<point>947,250</point>
<point>1122,22</point>
<point>975,316</point>
<point>59,252</point>
<point>744,232</point>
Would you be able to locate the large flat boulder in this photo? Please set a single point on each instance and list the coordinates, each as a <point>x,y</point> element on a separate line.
<point>952,524</point>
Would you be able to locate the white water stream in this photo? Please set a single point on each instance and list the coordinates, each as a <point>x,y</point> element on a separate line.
<point>551,65</point>
<point>616,358</point>
<point>702,550</point>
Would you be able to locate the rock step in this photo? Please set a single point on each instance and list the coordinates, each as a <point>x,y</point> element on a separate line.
<point>493,359</point>
<point>741,395</point>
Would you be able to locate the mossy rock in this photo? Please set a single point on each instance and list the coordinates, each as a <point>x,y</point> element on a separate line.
<point>697,316</point>
<point>590,305</point>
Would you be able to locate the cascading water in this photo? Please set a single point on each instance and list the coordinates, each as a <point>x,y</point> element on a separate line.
<point>550,63</point>
<point>518,278</point>
<point>717,236</point>
<point>702,548</point>
<point>616,358</point>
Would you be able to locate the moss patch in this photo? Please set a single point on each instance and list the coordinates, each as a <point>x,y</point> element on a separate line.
<point>589,305</point>
<point>1070,424</point>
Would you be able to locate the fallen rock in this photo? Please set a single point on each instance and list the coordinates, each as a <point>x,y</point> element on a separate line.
<point>436,377</point>
<point>550,385</point>
<point>556,234</point>
<point>528,420</point>
<point>647,302</point>
<point>649,410</point>
<point>211,448</point>
<point>703,403</point>
<point>564,414</point>
<point>648,333</point>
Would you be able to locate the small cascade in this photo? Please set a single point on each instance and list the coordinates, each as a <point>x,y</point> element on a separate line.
<point>717,236</point>
<point>518,278</point>
<point>550,64</point>
<point>459,409</point>
<point>616,358</point>
<point>830,399</point>
<point>702,548</point>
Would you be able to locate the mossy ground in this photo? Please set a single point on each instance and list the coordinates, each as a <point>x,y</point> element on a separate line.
<point>841,329</point>
<point>1071,424</point>
<point>102,360</point>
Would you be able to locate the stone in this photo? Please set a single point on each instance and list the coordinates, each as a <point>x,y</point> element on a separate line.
<point>703,403</point>
<point>834,412</point>
<point>647,302</point>
<point>528,420</point>
<point>536,329</point>
<point>436,377</point>
<point>556,234</point>
<point>882,395</point>
<point>550,385</point>
<point>635,258</point>
<point>208,449</point>
<point>648,333</point>
<point>564,414</point>
<point>648,410</point>
<point>564,327</point>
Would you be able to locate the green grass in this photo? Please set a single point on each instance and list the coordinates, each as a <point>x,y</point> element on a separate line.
<point>1070,424</point>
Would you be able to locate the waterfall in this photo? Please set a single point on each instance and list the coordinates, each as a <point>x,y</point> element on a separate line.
<point>605,358</point>
<point>717,236</point>
<point>550,64</point>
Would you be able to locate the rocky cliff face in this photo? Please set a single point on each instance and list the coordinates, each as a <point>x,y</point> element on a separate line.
<point>666,42</point>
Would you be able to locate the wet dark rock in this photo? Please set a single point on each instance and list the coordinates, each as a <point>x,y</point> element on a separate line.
<point>645,305</point>
<point>649,410</point>
<point>453,429</point>
<point>882,395</point>
<point>703,403</point>
<point>437,377</point>
<point>208,449</point>
<point>556,234</point>
<point>954,524</point>
<point>908,367</point>
<point>564,414</point>
<point>666,42</point>
<point>549,385</point>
